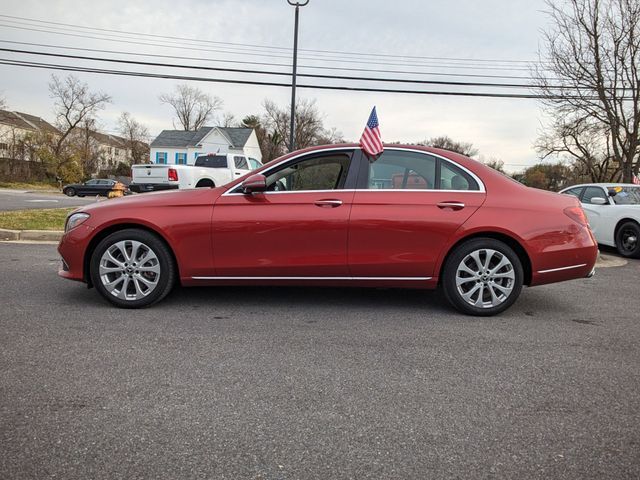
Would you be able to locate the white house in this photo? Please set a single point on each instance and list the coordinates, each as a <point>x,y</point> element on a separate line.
<point>183,147</point>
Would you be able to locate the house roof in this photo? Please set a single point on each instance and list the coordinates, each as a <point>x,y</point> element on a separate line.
<point>237,137</point>
<point>25,121</point>
<point>111,140</point>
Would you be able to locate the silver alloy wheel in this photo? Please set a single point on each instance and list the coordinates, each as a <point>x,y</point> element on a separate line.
<point>485,278</point>
<point>129,270</point>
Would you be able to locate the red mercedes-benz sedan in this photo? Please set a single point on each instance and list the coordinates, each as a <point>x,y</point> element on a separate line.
<point>415,217</point>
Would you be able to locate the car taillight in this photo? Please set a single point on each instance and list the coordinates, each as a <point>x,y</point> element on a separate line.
<point>577,215</point>
<point>173,175</point>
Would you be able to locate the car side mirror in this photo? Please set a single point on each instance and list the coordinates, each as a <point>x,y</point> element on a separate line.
<point>598,201</point>
<point>254,183</point>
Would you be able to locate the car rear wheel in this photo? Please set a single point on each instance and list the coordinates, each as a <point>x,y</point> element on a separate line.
<point>132,268</point>
<point>69,192</point>
<point>628,240</point>
<point>482,277</point>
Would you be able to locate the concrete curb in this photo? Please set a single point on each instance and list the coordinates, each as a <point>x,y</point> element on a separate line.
<point>608,261</point>
<point>31,235</point>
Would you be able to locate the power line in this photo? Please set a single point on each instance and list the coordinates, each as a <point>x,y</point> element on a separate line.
<point>266,83</point>
<point>264,72</point>
<point>287,49</point>
<point>246,62</point>
<point>306,75</point>
<point>350,61</point>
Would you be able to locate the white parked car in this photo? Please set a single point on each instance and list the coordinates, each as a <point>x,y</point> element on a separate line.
<point>210,170</point>
<point>613,210</point>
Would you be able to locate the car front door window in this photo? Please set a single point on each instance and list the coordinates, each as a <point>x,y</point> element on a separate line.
<point>320,173</point>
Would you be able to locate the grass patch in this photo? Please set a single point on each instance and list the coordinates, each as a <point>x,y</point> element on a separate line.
<point>37,219</point>
<point>29,186</point>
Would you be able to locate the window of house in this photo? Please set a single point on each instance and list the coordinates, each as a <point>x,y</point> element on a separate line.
<point>161,157</point>
<point>181,158</point>
<point>4,146</point>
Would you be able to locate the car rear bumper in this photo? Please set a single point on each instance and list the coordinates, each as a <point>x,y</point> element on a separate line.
<point>574,258</point>
<point>151,187</point>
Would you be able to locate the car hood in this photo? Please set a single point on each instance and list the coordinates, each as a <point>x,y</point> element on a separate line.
<point>196,196</point>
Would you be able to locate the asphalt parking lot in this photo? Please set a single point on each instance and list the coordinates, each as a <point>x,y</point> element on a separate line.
<point>23,200</point>
<point>288,383</point>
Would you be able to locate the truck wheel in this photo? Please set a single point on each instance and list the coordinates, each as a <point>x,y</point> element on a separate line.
<point>205,183</point>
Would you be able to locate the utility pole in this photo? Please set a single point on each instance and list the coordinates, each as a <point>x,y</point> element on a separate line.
<point>292,128</point>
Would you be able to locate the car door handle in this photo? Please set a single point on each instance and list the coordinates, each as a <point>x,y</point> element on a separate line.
<point>328,203</point>
<point>238,173</point>
<point>451,205</point>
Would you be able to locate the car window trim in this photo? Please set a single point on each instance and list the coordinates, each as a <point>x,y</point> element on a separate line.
<point>358,158</point>
<point>351,152</point>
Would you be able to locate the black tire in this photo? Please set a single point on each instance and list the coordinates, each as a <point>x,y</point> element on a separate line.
<point>485,283</point>
<point>70,192</point>
<point>206,183</point>
<point>628,240</point>
<point>165,278</point>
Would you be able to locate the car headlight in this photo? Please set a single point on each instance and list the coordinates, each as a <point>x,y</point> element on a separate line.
<point>74,220</point>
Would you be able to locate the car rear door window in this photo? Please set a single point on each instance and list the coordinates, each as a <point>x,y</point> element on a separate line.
<point>453,177</point>
<point>576,192</point>
<point>400,170</point>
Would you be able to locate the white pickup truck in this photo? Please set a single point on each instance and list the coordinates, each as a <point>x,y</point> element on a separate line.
<point>210,170</point>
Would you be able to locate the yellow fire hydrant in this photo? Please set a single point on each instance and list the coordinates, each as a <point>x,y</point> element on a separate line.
<point>117,190</point>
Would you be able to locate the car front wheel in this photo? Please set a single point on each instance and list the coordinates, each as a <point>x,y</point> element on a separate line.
<point>69,192</point>
<point>482,277</point>
<point>628,240</point>
<point>132,268</point>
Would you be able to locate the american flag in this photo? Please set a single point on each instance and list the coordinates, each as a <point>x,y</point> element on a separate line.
<point>371,141</point>
<point>636,180</point>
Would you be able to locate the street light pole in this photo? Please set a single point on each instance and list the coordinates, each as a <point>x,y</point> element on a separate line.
<point>292,128</point>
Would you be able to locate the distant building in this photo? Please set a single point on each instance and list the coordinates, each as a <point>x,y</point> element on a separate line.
<point>112,150</point>
<point>183,147</point>
<point>15,130</point>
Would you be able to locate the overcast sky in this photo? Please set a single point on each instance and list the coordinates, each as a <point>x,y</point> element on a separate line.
<point>466,29</point>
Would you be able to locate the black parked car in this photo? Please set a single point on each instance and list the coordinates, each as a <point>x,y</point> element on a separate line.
<point>96,186</point>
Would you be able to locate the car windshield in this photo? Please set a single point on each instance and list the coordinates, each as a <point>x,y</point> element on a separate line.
<point>626,195</point>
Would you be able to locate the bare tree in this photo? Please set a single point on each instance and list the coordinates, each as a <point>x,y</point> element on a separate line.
<point>589,74</point>
<point>73,103</point>
<point>309,126</point>
<point>229,120</point>
<point>3,102</point>
<point>191,105</point>
<point>137,137</point>
<point>447,143</point>
<point>494,163</point>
